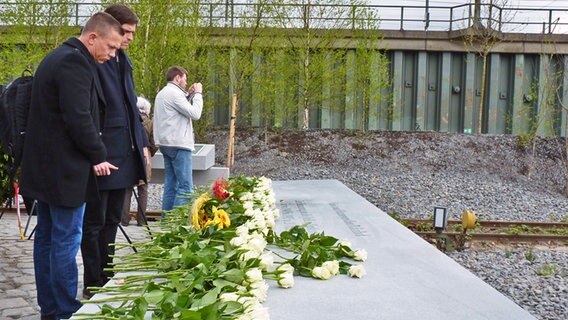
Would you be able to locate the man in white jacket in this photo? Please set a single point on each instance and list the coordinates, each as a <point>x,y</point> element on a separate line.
<point>174,111</point>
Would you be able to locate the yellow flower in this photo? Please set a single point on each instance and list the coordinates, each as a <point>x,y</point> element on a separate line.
<point>198,213</point>
<point>221,219</point>
<point>468,219</point>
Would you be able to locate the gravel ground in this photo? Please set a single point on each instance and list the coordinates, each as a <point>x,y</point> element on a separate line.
<point>497,176</point>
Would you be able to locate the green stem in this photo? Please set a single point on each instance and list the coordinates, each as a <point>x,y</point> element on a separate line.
<point>111,299</point>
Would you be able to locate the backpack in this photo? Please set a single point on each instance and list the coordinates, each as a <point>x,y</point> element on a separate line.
<point>14,107</point>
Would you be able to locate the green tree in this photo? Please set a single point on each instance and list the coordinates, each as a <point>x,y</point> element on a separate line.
<point>32,30</point>
<point>322,28</point>
<point>169,33</point>
<point>366,87</point>
<point>481,37</point>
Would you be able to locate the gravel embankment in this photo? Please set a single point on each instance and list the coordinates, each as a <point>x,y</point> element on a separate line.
<point>410,173</point>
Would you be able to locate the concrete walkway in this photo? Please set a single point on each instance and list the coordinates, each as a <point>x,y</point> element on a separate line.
<point>17,282</point>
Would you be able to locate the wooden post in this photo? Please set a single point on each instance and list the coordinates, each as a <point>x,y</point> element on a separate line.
<point>231,148</point>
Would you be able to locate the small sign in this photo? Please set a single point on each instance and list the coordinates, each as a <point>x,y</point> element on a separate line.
<point>440,217</point>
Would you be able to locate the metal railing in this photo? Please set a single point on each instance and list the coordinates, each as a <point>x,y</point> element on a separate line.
<point>386,17</point>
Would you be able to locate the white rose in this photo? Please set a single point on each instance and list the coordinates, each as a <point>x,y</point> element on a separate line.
<point>257,242</point>
<point>264,231</point>
<point>254,275</point>
<point>270,197</point>
<point>360,255</point>
<point>266,260</point>
<point>270,223</point>
<point>248,255</point>
<point>238,241</point>
<point>259,290</point>
<point>250,225</point>
<point>259,313</point>
<point>247,301</point>
<point>259,222</point>
<point>246,196</point>
<point>258,214</point>
<point>265,181</point>
<point>286,280</point>
<point>332,266</point>
<point>254,309</point>
<point>344,243</point>
<point>249,212</point>
<point>248,205</point>
<point>276,213</point>
<point>242,230</point>
<point>229,296</point>
<point>356,271</point>
<point>244,316</point>
<point>285,268</point>
<point>321,273</point>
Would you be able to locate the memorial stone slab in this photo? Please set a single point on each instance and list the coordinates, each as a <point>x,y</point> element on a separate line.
<point>202,163</point>
<point>407,278</point>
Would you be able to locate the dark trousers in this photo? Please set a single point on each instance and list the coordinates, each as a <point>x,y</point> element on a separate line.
<point>142,204</point>
<point>99,233</point>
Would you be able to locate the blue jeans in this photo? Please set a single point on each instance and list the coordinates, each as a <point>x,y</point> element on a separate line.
<point>57,240</point>
<point>178,179</point>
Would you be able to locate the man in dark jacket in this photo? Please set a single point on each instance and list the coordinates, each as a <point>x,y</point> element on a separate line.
<point>126,142</point>
<point>63,152</point>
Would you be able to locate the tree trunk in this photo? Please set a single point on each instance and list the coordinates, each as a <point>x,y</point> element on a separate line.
<point>482,93</point>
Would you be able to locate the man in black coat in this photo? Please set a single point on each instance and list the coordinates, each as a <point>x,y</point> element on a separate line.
<point>63,152</point>
<point>126,141</point>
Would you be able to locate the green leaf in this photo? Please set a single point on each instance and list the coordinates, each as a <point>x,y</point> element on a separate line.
<point>140,306</point>
<point>234,275</point>
<point>210,297</point>
<point>231,307</point>
<point>190,315</point>
<point>328,241</point>
<point>210,312</point>
<point>305,245</point>
<point>154,297</point>
<point>221,283</point>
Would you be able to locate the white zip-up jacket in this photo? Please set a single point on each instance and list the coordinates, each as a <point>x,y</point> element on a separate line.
<point>173,115</point>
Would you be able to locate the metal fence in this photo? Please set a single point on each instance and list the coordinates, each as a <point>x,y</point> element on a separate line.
<point>297,15</point>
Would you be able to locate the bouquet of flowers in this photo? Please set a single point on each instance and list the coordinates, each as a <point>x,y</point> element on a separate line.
<point>206,210</point>
<point>212,259</point>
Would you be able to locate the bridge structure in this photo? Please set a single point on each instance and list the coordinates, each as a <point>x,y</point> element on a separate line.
<point>461,68</point>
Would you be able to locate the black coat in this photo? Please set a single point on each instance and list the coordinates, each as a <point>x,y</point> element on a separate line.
<point>62,135</point>
<point>122,129</point>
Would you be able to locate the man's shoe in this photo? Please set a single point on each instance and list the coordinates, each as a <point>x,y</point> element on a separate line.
<point>87,294</point>
<point>124,224</point>
<point>50,317</point>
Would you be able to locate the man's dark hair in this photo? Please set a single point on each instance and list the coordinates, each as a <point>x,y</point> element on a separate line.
<point>122,13</point>
<point>174,72</point>
<point>102,23</point>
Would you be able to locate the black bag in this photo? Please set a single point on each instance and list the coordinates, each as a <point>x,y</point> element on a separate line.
<point>14,107</point>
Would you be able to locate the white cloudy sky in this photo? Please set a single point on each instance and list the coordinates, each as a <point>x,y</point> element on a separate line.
<point>525,20</point>
<point>561,4</point>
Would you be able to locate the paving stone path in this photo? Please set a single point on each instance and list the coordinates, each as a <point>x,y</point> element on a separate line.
<point>17,282</point>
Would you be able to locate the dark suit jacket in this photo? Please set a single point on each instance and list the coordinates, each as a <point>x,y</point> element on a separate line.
<point>123,132</point>
<point>62,135</point>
